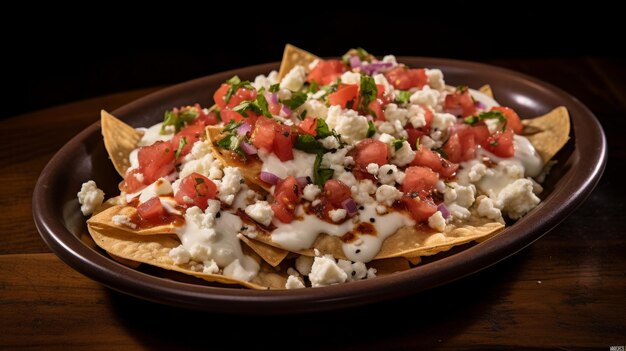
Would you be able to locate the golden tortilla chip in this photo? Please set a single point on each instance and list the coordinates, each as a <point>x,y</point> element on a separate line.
<point>119,140</point>
<point>250,170</point>
<point>270,254</point>
<point>548,133</point>
<point>155,250</point>
<point>104,219</point>
<point>410,241</point>
<point>293,56</point>
<point>486,89</point>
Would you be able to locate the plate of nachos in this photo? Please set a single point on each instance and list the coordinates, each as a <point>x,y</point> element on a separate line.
<point>317,183</point>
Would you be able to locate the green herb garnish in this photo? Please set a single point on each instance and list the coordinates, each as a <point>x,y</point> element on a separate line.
<point>402,96</point>
<point>296,100</point>
<point>321,175</point>
<point>181,144</point>
<point>371,129</point>
<point>178,120</point>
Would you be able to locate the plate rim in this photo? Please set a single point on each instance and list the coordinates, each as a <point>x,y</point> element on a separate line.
<point>110,273</point>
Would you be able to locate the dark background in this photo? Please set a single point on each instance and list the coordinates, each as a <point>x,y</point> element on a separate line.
<point>53,59</point>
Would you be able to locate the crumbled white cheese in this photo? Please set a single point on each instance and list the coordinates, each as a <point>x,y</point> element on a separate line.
<point>314,108</point>
<point>350,77</point>
<point>160,187</point>
<point>179,255</point>
<point>390,59</point>
<point>210,267</point>
<point>310,192</point>
<point>294,79</point>
<point>380,79</point>
<point>387,194</point>
<point>435,79</point>
<point>261,81</point>
<point>325,271</point>
<point>486,208</point>
<point>354,270</point>
<point>394,113</point>
<point>404,155</point>
<point>261,212</point>
<point>517,198</point>
<point>294,282</point>
<point>330,142</point>
<point>440,124</point>
<point>372,168</point>
<point>437,222</point>
<point>230,184</point>
<point>204,164</point>
<point>477,172</point>
<point>337,215</point>
<point>90,197</point>
<point>416,116</point>
<point>426,96</point>
<point>347,123</point>
<point>237,271</point>
<point>121,219</point>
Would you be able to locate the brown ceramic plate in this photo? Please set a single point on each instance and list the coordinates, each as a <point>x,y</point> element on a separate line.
<point>62,227</point>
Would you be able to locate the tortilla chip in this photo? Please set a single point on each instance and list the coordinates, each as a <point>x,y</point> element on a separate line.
<point>548,133</point>
<point>155,250</point>
<point>250,170</point>
<point>293,56</point>
<point>125,262</point>
<point>486,89</point>
<point>270,254</point>
<point>104,219</point>
<point>119,140</point>
<point>410,241</point>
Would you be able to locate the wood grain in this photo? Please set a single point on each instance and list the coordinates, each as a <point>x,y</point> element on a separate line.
<point>567,290</point>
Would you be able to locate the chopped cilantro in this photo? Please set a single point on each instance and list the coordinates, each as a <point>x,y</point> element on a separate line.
<point>297,99</point>
<point>181,144</point>
<point>367,92</point>
<point>262,103</point>
<point>397,143</point>
<point>321,175</point>
<point>371,129</point>
<point>322,129</point>
<point>441,152</point>
<point>302,114</point>
<point>402,96</point>
<point>308,144</point>
<point>471,120</point>
<point>234,80</point>
<point>274,88</point>
<point>178,120</point>
<point>313,88</point>
<point>232,125</point>
<point>235,83</point>
<point>417,144</point>
<point>461,89</point>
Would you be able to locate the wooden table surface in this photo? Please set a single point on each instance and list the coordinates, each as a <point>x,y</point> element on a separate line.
<point>567,290</point>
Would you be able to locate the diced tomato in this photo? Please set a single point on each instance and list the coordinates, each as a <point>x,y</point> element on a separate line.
<point>240,95</point>
<point>376,107</point>
<point>345,96</point>
<point>309,126</point>
<point>286,197</point>
<point>151,210</point>
<point>264,133</point>
<point>283,144</point>
<point>228,115</point>
<point>131,184</point>
<point>404,78</point>
<point>380,94</point>
<point>419,180</point>
<point>209,119</point>
<point>196,190</point>
<point>219,94</point>
<point>336,192</point>
<point>460,104</point>
<point>371,151</point>
<point>512,119</point>
<point>419,207</point>
<point>481,133</point>
<point>413,135</point>
<point>428,158</point>
<point>461,146</point>
<point>325,72</point>
<point>501,143</point>
<point>156,160</point>
<point>191,133</point>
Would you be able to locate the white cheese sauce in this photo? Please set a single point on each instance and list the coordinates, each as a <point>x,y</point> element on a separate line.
<point>152,135</point>
<point>220,244</point>
<point>486,100</point>
<point>300,166</point>
<point>301,233</point>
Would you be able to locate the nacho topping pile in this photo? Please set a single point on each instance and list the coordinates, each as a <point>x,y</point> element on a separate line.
<point>325,172</point>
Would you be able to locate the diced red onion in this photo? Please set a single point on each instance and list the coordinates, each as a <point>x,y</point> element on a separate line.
<point>244,129</point>
<point>271,97</point>
<point>303,181</point>
<point>286,111</point>
<point>480,105</point>
<point>355,61</point>
<point>444,210</point>
<point>350,206</point>
<point>248,148</point>
<point>269,178</point>
<point>375,67</point>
